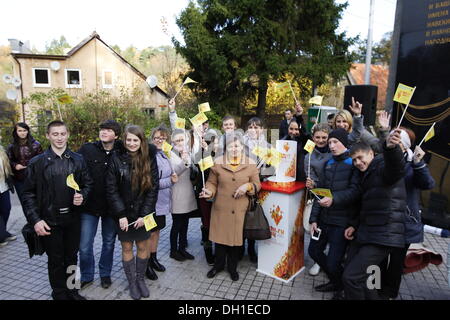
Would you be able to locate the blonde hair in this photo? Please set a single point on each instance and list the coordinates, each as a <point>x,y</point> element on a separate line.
<point>347,117</point>
<point>6,171</point>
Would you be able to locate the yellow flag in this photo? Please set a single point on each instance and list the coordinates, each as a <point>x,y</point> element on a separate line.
<point>403,94</point>
<point>166,148</point>
<point>189,80</point>
<point>180,123</point>
<point>272,157</point>
<point>65,99</point>
<point>309,146</point>
<point>206,163</point>
<point>282,86</point>
<point>316,100</point>
<point>430,134</point>
<point>70,181</point>
<point>259,151</point>
<point>322,192</point>
<point>204,107</point>
<point>198,119</point>
<point>149,222</point>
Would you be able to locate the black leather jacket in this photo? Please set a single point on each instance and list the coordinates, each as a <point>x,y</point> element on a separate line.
<point>123,202</point>
<point>38,194</point>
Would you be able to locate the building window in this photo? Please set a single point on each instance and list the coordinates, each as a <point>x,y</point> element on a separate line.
<point>41,77</point>
<point>150,112</point>
<point>73,78</point>
<point>107,79</point>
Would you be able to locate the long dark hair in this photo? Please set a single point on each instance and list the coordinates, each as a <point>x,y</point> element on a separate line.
<point>141,162</point>
<point>17,142</point>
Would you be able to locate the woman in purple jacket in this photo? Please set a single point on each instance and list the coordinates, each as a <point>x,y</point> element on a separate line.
<point>20,152</point>
<point>167,177</point>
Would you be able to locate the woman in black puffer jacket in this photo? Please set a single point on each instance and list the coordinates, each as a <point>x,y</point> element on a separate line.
<point>132,189</point>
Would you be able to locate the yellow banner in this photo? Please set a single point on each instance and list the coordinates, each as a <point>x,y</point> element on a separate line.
<point>198,119</point>
<point>309,146</point>
<point>180,123</point>
<point>70,181</point>
<point>430,134</point>
<point>204,107</point>
<point>322,192</point>
<point>206,163</point>
<point>149,222</point>
<point>282,86</point>
<point>403,94</point>
<point>316,100</point>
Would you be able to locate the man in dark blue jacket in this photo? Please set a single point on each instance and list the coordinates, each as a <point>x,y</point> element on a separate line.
<point>380,228</point>
<point>98,155</point>
<point>332,215</point>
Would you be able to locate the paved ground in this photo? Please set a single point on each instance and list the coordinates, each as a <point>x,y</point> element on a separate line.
<point>23,278</point>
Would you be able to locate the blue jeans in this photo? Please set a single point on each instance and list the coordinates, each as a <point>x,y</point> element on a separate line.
<point>89,224</point>
<point>331,263</point>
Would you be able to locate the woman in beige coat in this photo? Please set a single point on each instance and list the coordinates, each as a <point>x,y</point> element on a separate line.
<point>233,177</point>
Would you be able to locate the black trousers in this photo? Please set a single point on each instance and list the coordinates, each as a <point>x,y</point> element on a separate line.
<point>391,272</point>
<point>62,246</point>
<point>356,273</point>
<point>226,254</point>
<point>178,233</point>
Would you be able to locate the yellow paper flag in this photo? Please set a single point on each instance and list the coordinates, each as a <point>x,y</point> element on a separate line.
<point>259,151</point>
<point>430,134</point>
<point>189,80</point>
<point>206,163</point>
<point>65,99</point>
<point>282,86</point>
<point>166,148</point>
<point>272,157</point>
<point>316,100</point>
<point>322,192</point>
<point>70,181</point>
<point>149,222</point>
<point>180,123</point>
<point>403,94</point>
<point>204,107</point>
<point>198,119</point>
<point>309,146</point>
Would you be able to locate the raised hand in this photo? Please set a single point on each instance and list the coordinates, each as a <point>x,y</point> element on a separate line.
<point>394,138</point>
<point>355,107</point>
<point>384,119</point>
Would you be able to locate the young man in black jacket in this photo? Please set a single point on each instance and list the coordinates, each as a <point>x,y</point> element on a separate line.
<point>380,229</point>
<point>97,156</point>
<point>333,215</point>
<point>52,207</point>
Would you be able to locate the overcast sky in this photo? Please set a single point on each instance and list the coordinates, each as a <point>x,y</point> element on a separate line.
<point>138,22</point>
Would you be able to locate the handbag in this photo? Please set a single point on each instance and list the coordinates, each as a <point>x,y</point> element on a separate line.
<point>256,226</point>
<point>33,241</point>
<point>307,214</point>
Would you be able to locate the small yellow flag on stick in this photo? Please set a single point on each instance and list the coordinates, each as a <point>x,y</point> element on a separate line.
<point>204,107</point>
<point>429,135</point>
<point>198,119</point>
<point>70,181</point>
<point>309,146</point>
<point>180,123</point>
<point>206,163</point>
<point>316,100</point>
<point>189,80</point>
<point>166,148</point>
<point>322,192</point>
<point>65,99</point>
<point>403,94</point>
<point>282,86</point>
<point>149,222</point>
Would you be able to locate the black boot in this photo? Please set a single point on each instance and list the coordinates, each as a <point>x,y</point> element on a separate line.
<point>207,246</point>
<point>155,263</point>
<point>150,273</point>
<point>251,251</point>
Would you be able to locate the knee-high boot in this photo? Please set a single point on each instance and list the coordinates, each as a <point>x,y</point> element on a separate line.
<point>130,271</point>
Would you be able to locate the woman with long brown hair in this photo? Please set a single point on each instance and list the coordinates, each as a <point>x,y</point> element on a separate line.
<point>132,189</point>
<point>5,201</point>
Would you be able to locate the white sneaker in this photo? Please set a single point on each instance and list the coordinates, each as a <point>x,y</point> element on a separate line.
<point>11,237</point>
<point>314,270</point>
<point>4,243</point>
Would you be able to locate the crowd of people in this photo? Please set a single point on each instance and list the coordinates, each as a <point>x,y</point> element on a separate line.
<point>371,219</point>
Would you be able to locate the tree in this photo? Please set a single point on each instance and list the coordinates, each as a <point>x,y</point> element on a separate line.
<point>57,46</point>
<point>381,51</point>
<point>236,47</point>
